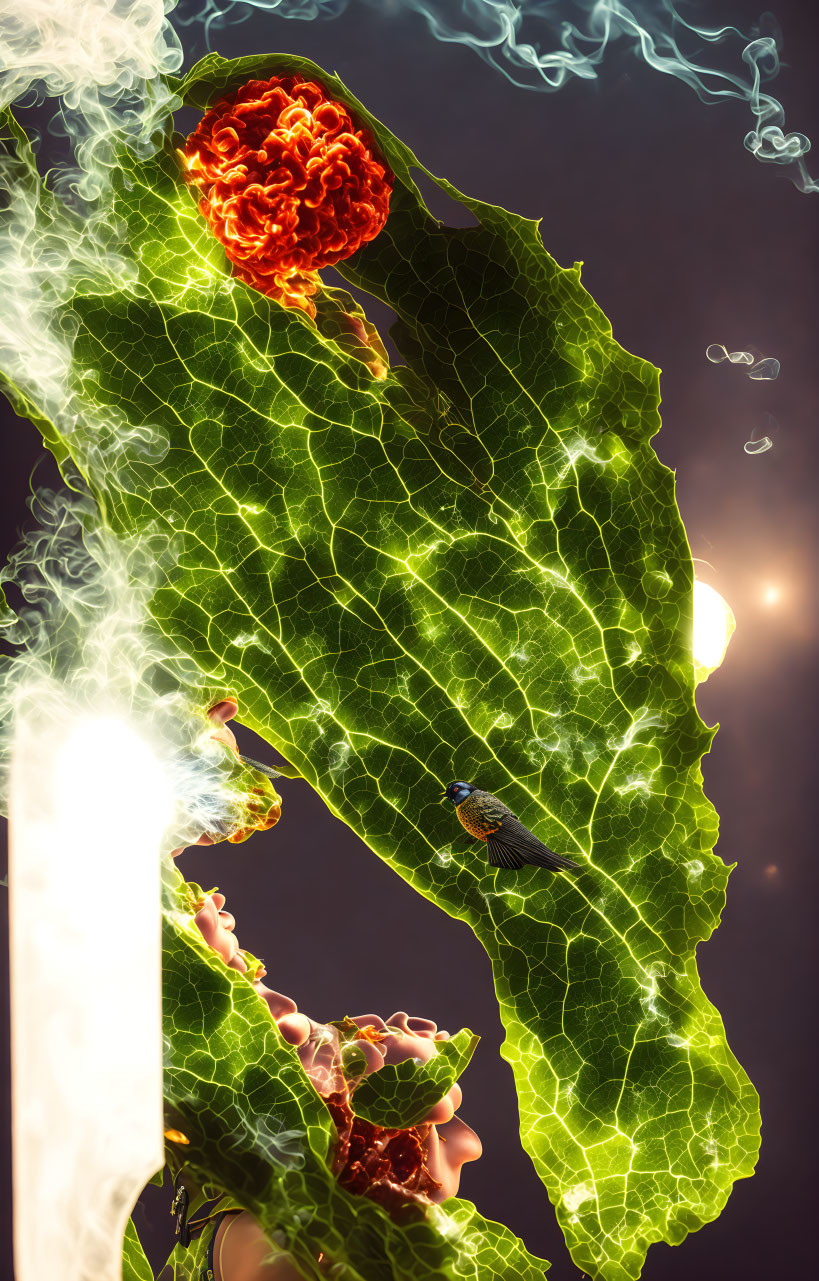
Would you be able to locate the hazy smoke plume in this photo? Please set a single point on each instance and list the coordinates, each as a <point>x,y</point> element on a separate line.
<point>101,60</point>
<point>86,647</point>
<point>83,637</point>
<point>542,44</point>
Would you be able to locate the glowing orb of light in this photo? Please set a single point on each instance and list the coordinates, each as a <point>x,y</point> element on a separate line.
<point>714,624</point>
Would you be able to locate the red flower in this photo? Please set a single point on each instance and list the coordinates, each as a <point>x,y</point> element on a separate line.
<point>289,184</point>
<point>389,1166</point>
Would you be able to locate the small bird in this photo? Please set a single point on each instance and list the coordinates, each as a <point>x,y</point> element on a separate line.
<point>508,842</point>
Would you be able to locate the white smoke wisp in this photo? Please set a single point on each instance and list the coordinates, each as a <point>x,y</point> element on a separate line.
<point>80,47</point>
<point>86,647</point>
<point>544,44</point>
<point>102,61</point>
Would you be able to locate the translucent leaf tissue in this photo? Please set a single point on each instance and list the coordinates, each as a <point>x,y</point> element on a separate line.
<point>468,565</point>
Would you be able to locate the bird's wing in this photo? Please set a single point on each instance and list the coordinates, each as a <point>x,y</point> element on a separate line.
<point>516,839</point>
<point>501,855</point>
<point>490,808</point>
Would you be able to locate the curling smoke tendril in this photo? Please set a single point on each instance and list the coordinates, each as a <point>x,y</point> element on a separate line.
<point>85,645</point>
<point>537,45</point>
<point>103,61</point>
<point>716,353</point>
<point>760,446</point>
<point>764,370</point>
<point>764,443</point>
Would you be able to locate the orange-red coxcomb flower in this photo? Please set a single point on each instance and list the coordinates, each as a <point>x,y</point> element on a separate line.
<point>289,184</point>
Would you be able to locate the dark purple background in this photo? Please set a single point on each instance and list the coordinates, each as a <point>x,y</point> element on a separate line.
<point>686,241</point>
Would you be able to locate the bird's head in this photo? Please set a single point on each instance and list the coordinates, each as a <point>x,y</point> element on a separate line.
<point>457,792</point>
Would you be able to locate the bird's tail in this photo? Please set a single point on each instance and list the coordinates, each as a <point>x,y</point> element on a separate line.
<point>545,857</point>
<point>280,771</point>
<point>261,767</point>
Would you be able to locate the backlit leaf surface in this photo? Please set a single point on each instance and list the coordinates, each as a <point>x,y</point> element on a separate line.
<point>258,1131</point>
<point>135,1266</point>
<point>473,568</point>
<point>401,1094</point>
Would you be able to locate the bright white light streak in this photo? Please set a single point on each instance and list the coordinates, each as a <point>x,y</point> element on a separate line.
<point>714,625</point>
<point>88,807</point>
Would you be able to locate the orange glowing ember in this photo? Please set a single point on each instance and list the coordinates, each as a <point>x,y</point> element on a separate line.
<point>289,184</point>
<point>176,1136</point>
<point>261,816</point>
<point>370,1033</point>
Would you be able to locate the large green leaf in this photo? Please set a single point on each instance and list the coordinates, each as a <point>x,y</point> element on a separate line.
<point>401,1094</point>
<point>473,568</point>
<point>135,1265</point>
<point>257,1129</point>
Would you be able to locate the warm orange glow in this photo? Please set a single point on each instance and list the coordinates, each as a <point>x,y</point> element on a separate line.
<point>268,816</point>
<point>370,1033</point>
<point>289,184</point>
<point>176,1136</point>
<point>261,815</point>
